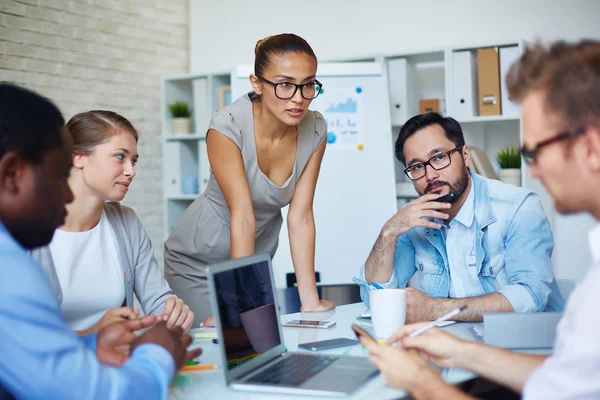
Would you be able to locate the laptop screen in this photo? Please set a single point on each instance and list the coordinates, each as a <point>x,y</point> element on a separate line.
<point>247,311</point>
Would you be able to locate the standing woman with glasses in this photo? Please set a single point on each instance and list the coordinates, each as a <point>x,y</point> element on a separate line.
<point>265,152</point>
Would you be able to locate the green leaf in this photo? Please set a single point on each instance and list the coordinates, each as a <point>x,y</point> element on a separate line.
<point>509,157</point>
<point>179,109</point>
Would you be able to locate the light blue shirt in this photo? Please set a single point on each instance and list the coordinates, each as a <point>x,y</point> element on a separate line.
<point>459,238</point>
<point>42,358</point>
<point>512,241</point>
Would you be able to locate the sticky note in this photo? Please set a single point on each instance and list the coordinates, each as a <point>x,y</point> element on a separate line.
<point>205,335</point>
<point>180,381</point>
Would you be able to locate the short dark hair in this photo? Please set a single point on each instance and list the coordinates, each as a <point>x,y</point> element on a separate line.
<point>450,126</point>
<point>278,45</point>
<point>29,123</point>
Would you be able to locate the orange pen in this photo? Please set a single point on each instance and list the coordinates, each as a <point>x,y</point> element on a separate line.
<point>198,367</point>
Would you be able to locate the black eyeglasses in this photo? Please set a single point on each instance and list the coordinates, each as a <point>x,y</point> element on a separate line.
<point>529,155</point>
<point>437,162</point>
<point>287,90</point>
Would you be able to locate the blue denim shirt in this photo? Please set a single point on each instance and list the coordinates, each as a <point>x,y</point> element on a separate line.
<point>34,340</point>
<point>513,249</point>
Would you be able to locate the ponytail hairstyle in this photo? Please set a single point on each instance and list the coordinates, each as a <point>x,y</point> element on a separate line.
<point>278,45</point>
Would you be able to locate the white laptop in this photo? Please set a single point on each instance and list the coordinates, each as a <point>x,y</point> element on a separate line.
<point>253,352</point>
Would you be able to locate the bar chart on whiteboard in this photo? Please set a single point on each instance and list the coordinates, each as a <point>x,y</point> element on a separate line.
<point>343,112</point>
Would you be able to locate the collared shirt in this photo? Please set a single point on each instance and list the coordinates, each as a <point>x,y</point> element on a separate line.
<point>36,342</point>
<point>513,248</point>
<point>573,370</point>
<point>460,239</point>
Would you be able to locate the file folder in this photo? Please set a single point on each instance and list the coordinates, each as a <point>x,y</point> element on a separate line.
<point>508,55</point>
<point>488,81</point>
<point>397,77</point>
<point>202,109</point>
<point>464,85</point>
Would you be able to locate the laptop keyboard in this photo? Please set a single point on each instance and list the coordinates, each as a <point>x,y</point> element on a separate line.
<point>293,370</point>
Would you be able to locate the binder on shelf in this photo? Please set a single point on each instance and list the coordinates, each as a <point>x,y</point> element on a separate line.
<point>397,77</point>
<point>202,108</point>
<point>224,96</point>
<point>204,165</point>
<point>172,168</point>
<point>481,163</point>
<point>464,85</point>
<point>488,81</point>
<point>508,55</point>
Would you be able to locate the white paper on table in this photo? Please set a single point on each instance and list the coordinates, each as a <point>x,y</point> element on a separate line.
<point>478,330</point>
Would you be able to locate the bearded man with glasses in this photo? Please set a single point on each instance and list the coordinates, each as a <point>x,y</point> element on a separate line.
<point>487,247</point>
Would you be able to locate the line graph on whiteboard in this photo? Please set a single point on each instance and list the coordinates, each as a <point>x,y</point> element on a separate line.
<point>343,112</point>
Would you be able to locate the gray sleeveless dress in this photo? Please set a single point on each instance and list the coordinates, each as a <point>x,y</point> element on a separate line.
<point>201,236</point>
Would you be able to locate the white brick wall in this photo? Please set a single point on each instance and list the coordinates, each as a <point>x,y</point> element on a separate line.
<point>102,54</point>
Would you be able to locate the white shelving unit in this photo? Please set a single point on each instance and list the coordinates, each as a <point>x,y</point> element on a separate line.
<point>184,157</point>
<point>412,77</point>
<point>448,74</point>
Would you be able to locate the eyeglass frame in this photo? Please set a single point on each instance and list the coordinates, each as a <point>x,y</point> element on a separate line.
<point>274,84</point>
<point>529,156</point>
<point>428,162</point>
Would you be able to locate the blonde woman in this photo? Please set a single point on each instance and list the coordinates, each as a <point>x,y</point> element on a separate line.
<point>102,255</point>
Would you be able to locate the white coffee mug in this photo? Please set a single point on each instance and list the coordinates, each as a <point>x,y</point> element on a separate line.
<point>388,311</point>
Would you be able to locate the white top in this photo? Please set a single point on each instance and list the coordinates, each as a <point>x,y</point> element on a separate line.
<point>460,249</point>
<point>573,370</point>
<point>91,278</point>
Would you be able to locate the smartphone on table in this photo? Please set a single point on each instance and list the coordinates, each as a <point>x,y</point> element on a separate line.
<point>361,332</point>
<point>328,344</point>
<point>305,323</point>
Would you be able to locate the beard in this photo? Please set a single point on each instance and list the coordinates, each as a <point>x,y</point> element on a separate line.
<point>457,188</point>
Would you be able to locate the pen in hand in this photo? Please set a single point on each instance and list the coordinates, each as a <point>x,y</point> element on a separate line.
<point>443,318</point>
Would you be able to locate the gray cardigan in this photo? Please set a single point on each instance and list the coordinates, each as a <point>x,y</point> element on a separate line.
<point>142,273</point>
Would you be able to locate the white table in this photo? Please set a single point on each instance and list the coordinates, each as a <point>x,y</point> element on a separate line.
<point>211,384</point>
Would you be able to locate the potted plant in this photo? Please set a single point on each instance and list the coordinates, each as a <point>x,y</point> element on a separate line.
<point>509,159</point>
<point>181,122</point>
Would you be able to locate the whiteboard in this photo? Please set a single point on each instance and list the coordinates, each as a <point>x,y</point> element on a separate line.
<point>356,190</point>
